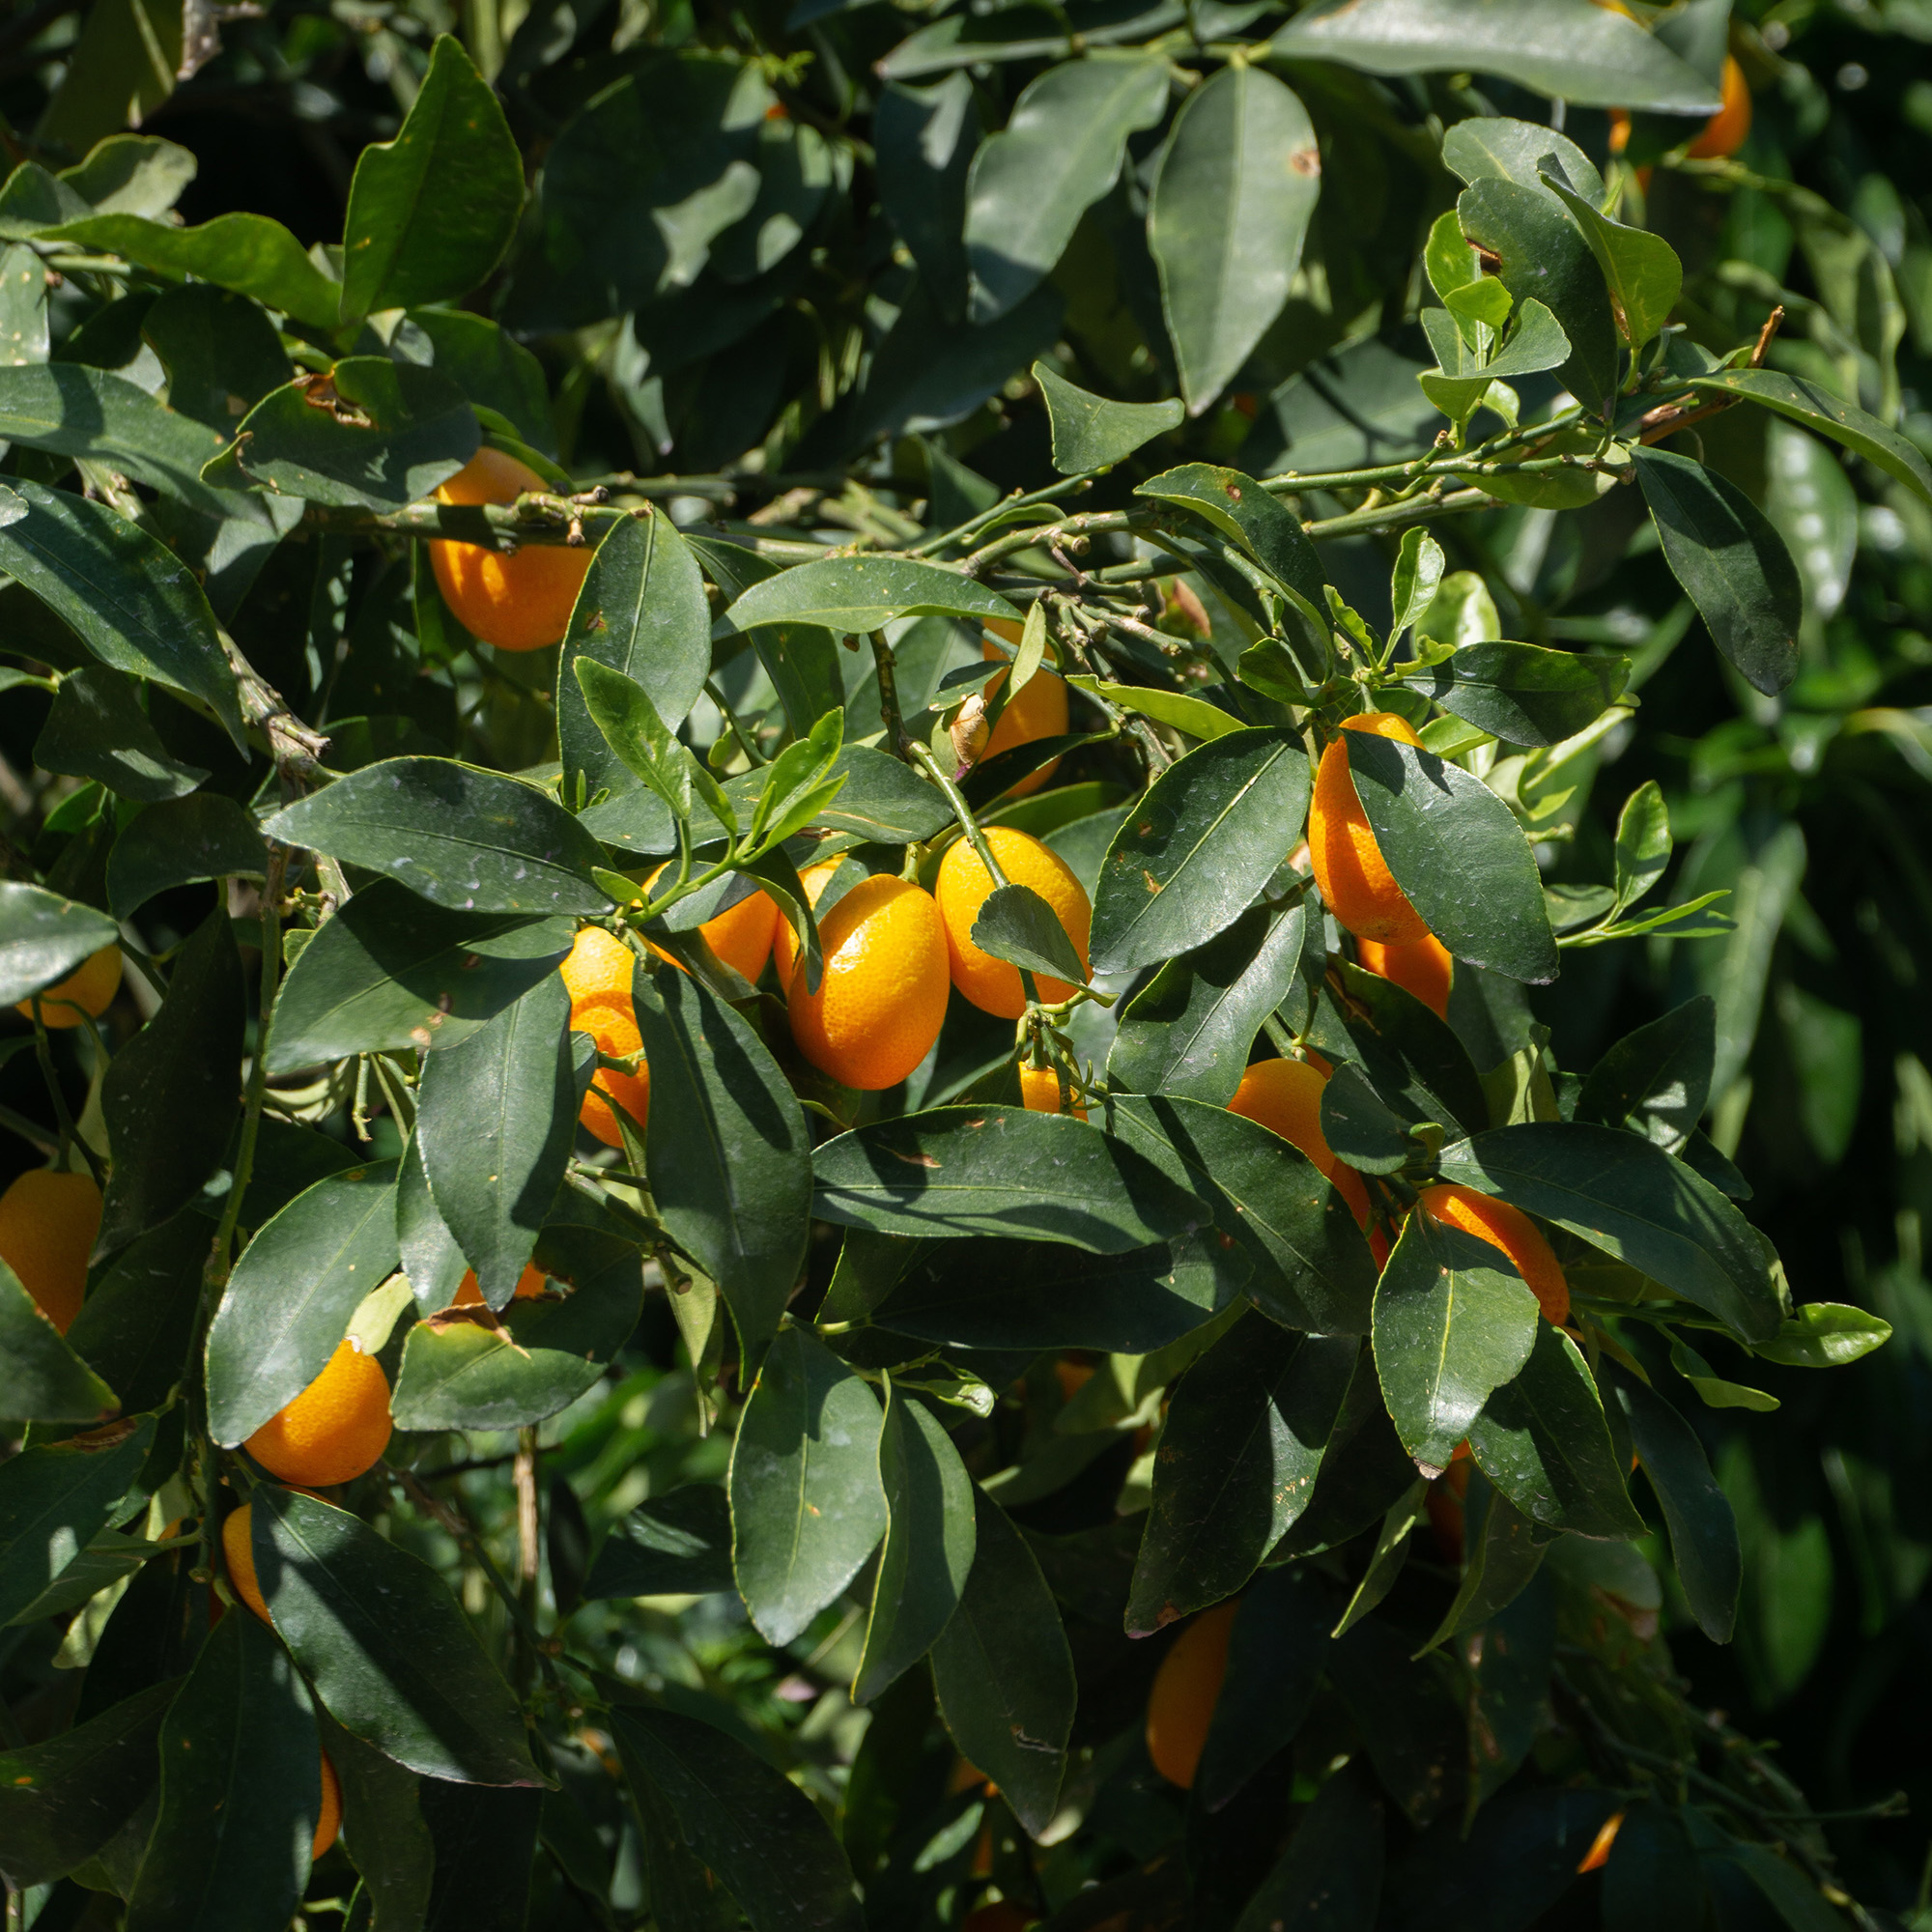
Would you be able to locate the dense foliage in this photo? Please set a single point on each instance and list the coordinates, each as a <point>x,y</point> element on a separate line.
<point>989,453</point>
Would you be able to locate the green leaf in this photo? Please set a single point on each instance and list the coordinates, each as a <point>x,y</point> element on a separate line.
<point>1657,1079</point>
<point>1817,409</point>
<point>1504,1550</point>
<point>181,842</point>
<point>1415,579</point>
<point>483,1847</point>
<point>1713,1389</point>
<point>390,1655</point>
<point>1016,924</point>
<point>467,840</point>
<point>677,1544</point>
<point>44,937</point>
<point>1541,256</point>
<point>240,1789</point>
<point>371,435</point>
<point>131,601</point>
<point>464,1372</point>
<point>432,211</point>
<point>1361,1126</point>
<point>995,1170</point>
<point>171,1094</point>
<point>136,1327</point>
<point>1004,1673</point>
<point>97,729</point>
<point>1237,1465</point>
<point>1794,1895</point>
<point>881,799</point>
<point>729,1155</point>
<point>1652,1862</point>
<point>1275,1656</point>
<point>1459,854</point>
<point>1640,269</point>
<point>1825,1335</point>
<point>1387,1558</point>
<point>55,1500</point>
<point>807,1509</point>
<point>1330,1876</point>
<point>1703,1529</point>
<point>495,1120</point>
<point>433,1263</point>
<point>761,1837</point>
<point>1416,1063</point>
<point>1725,551</point>
<point>1092,432</point>
<point>1195,716</point>
<point>929,1543</point>
<point>42,1379</point>
<point>1643,842</point>
<point>1312,1270</point>
<point>1493,144</point>
<point>1229,208</point>
<point>1634,1201</point>
<point>1188,1031</point>
<point>1245,514</point>
<point>642,612</point>
<point>221,354</point>
<point>388,971</point>
<point>794,782</point>
<point>634,733</point>
<point>1060,152</point>
<point>1520,692</point>
<point>1550,46</point>
<point>289,1299</point>
<point>862,593</point>
<point>382,1827</point>
<point>1453,1323</point>
<point>62,1800</point>
<point>1544,1442</point>
<point>249,253</point>
<point>1210,834</point>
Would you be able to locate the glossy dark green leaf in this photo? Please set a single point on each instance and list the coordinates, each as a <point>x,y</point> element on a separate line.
<point>495,1120</point>
<point>464,1370</point>
<point>467,840</point>
<point>1514,1867</point>
<point>171,1094</point>
<point>44,937</point>
<point>1413,1729</point>
<point>1817,409</point>
<point>1016,924</point>
<point>642,612</point>
<point>1330,1877</point>
<point>1542,257</point>
<point>1092,432</point>
<point>677,1544</point>
<point>1520,692</point>
<point>42,1379</point>
<point>1550,46</point>
<point>289,1301</point>
<point>390,1655</point>
<point>1543,1441</point>
<point>54,1501</point>
<point>1004,1673</point>
<point>1453,1323</point>
<point>1208,837</point>
<point>221,353</point>
<point>1416,1061</point>
<point>1364,1472</point>
<point>807,1509</point>
<point>635,737</point>
<point>1457,852</point>
<point>431,1260</point>
<point>1361,1126</point>
<point>758,1832</point>
<point>882,799</point>
<point>1653,1881</point>
<point>483,1846</point>
<point>249,253</point>
<point>372,434</point>
<point>96,729</point>
<point>1188,1030</point>
<point>1636,1202</point>
<point>728,1152</point>
<point>1703,1527</point>
<point>861,593</point>
<point>999,1170</point>
<point>1237,1465</point>
<point>432,211</point>
<point>240,1789</point>
<point>388,971</point>
<point>1238,180</point>
<point>1726,552</point>
<point>1312,1270</point>
<point>1275,1654</point>
<point>1247,515</point>
<point>62,1800</point>
<point>1502,1552</point>
<point>1825,1335</point>
<point>1518,150</point>
<point>181,842</point>
<point>925,137</point>
<point>1059,153</point>
<point>1640,269</point>
<point>136,1325</point>
<point>1657,1079</point>
<point>383,1824</point>
<point>928,1548</point>
<point>131,601</point>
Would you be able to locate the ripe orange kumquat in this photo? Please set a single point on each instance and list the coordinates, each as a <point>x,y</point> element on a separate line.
<point>1039,1093</point>
<point>1285,1096</point>
<point>1357,884</point>
<point>239,1553</point>
<point>48,1225</point>
<point>882,1000</point>
<point>1728,129</point>
<point>328,1815</point>
<point>334,1431</point>
<point>965,885</point>
<point>1506,1227</point>
<point>741,935</point>
<point>1036,710</point>
<point>89,989</point>
<point>597,975</point>
<point>1186,1690</point>
<point>517,602</point>
<point>784,941</point>
<point>1423,967</point>
<point>531,1284</point>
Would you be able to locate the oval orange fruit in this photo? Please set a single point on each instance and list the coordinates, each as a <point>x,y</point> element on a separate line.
<point>1039,1092</point>
<point>517,602</point>
<point>1186,1690</point>
<point>239,1553</point>
<point>334,1431</point>
<point>1357,884</point>
<point>741,935</point>
<point>1727,129</point>
<point>1506,1227</point>
<point>965,885</point>
<point>48,1222</point>
<point>1036,710</point>
<point>1422,966</point>
<point>89,989</point>
<point>1285,1096</point>
<point>598,977</point>
<point>531,1284</point>
<point>328,1815</point>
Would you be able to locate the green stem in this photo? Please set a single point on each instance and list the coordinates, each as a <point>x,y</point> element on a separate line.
<point>889,697</point>
<point>30,1132</point>
<point>43,1052</point>
<point>1081,483</point>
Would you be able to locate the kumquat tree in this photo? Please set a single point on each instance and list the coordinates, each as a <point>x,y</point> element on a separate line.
<point>967,965</point>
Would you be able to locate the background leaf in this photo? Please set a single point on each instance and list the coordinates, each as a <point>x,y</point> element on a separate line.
<point>1093,433</point>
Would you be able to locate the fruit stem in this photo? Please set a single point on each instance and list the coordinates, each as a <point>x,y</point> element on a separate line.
<point>888,696</point>
<point>43,1053</point>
